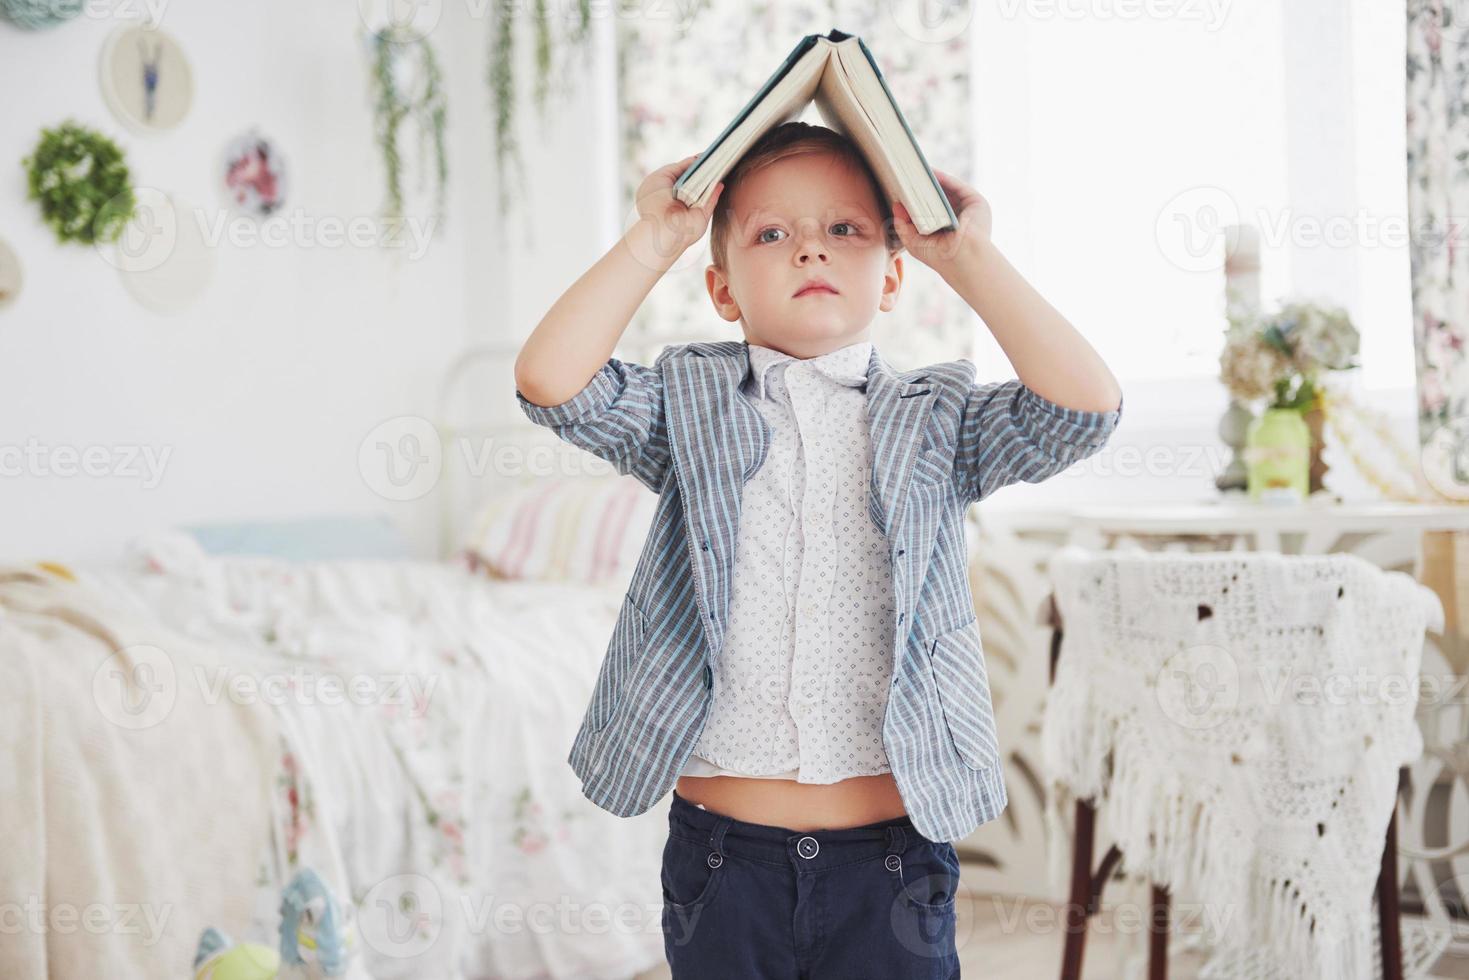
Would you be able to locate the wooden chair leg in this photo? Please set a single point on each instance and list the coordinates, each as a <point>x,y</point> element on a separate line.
<point>1078,908</point>
<point>1158,935</point>
<point>1388,911</point>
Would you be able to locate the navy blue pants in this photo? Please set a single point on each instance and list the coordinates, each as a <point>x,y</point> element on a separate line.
<point>757,902</point>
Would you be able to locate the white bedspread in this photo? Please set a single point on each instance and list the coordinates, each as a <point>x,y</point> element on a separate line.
<point>414,721</point>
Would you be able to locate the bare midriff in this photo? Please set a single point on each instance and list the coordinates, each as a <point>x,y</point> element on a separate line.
<point>850,802</point>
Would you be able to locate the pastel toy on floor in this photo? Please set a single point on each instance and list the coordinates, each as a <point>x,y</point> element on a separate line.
<point>316,941</point>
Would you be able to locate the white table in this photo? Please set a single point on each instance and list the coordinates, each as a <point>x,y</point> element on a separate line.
<point>1384,532</point>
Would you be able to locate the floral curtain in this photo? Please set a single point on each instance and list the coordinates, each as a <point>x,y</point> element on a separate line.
<point>686,71</point>
<point>1438,203</point>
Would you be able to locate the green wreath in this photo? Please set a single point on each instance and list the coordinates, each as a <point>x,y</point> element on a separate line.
<point>82,182</point>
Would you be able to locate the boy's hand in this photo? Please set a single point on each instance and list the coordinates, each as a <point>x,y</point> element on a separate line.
<point>675,225</point>
<point>943,251</point>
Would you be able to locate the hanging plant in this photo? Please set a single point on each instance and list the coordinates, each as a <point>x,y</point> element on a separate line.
<point>501,77</point>
<point>81,180</point>
<point>408,86</point>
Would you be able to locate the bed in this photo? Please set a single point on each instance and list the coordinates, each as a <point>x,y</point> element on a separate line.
<point>195,722</point>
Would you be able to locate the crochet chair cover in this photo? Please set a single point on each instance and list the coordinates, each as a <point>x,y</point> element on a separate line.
<point>1238,719</point>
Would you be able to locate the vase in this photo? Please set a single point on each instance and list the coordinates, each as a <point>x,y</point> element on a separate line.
<point>1234,426</point>
<point>1278,455</point>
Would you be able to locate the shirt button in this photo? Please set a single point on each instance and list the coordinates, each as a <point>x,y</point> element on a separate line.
<point>807,847</point>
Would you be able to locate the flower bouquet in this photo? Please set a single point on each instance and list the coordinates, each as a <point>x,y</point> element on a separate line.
<point>1283,357</point>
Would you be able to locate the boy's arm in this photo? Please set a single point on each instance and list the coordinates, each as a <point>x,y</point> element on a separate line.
<point>618,417</point>
<point>565,375</point>
<point>1020,429</point>
<point>1008,432</point>
<point>1065,403</point>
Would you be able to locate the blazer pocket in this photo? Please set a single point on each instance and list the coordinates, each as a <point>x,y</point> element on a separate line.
<point>957,659</point>
<point>932,466</point>
<point>626,646</point>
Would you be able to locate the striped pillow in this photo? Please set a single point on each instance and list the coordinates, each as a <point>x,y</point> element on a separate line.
<point>577,529</point>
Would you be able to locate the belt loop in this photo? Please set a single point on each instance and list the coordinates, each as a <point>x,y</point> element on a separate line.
<point>716,839</point>
<point>896,840</point>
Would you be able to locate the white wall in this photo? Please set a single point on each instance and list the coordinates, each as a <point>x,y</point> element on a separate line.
<point>261,393</point>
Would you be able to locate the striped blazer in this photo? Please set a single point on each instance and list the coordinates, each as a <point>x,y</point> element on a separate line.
<point>685,429</point>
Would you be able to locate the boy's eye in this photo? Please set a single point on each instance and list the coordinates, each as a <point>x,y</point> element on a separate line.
<point>852,230</point>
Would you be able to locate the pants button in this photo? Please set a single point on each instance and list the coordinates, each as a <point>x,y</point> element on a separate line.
<point>807,847</point>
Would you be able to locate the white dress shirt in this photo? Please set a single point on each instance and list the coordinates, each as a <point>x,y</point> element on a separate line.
<point>800,688</point>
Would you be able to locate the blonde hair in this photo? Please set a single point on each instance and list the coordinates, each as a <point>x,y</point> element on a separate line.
<point>789,139</point>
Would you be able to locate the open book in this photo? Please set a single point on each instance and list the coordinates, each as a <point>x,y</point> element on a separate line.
<point>838,72</point>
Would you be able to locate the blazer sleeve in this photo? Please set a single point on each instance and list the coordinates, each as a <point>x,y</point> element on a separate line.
<point>1009,432</point>
<point>618,417</point>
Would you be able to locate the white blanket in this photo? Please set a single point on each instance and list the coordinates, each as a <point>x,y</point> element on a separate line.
<point>414,723</point>
<point>127,798</point>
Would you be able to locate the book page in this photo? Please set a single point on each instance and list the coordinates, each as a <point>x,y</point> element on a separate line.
<point>784,101</point>
<point>852,99</point>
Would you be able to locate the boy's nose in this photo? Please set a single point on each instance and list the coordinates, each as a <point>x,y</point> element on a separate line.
<point>810,248</point>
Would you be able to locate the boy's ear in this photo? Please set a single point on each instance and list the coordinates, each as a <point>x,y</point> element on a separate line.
<point>892,283</point>
<point>718,286</point>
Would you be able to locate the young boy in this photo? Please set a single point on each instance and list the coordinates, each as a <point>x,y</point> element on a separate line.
<point>797,656</point>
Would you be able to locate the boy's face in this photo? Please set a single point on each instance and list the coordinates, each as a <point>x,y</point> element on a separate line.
<point>805,216</point>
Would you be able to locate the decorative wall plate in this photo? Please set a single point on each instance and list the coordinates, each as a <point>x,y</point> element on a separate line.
<point>254,175</point>
<point>146,79</point>
<point>162,255</point>
<point>10,274</point>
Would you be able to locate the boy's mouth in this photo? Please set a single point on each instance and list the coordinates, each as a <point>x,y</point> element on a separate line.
<point>817,285</point>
